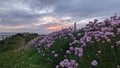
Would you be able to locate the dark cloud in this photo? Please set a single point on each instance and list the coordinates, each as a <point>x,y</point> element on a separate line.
<point>86,7</point>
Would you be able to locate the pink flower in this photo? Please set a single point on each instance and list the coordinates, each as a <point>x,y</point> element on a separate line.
<point>57,66</point>
<point>80,54</point>
<point>94,63</point>
<point>76,64</point>
<point>118,42</point>
<point>118,30</point>
<point>78,34</point>
<point>78,51</point>
<point>88,39</point>
<point>73,62</point>
<point>61,64</point>
<point>70,44</point>
<point>68,64</point>
<point>68,52</point>
<point>108,40</point>
<point>55,55</point>
<point>71,48</point>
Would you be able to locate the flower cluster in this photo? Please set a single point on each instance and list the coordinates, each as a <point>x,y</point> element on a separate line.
<point>99,31</point>
<point>78,51</point>
<point>92,32</point>
<point>34,41</point>
<point>67,64</point>
<point>49,39</point>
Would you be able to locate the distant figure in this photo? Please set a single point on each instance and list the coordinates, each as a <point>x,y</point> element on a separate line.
<point>75,27</point>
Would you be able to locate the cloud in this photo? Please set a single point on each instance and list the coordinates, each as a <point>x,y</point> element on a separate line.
<point>14,27</point>
<point>52,20</point>
<point>84,8</point>
<point>58,26</point>
<point>43,15</point>
<point>0,20</point>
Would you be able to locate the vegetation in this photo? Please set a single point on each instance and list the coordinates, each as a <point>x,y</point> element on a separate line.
<point>97,45</point>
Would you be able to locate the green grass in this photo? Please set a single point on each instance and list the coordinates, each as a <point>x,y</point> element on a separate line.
<point>108,58</point>
<point>14,55</point>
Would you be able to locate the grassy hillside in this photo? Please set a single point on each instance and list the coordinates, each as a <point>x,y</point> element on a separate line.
<point>12,50</point>
<point>97,45</point>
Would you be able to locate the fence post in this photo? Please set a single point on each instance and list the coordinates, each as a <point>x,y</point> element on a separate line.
<point>75,27</point>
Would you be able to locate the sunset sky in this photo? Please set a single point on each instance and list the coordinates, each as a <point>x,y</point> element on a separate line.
<point>45,16</point>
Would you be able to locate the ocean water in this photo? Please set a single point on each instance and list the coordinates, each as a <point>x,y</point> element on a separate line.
<point>4,35</point>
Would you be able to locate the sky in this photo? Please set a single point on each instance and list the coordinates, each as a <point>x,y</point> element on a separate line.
<point>45,16</point>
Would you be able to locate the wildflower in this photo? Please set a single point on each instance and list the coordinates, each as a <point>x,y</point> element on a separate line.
<point>68,64</point>
<point>70,44</point>
<point>65,37</point>
<point>62,64</point>
<point>99,51</point>
<point>112,46</point>
<point>118,42</point>
<point>103,41</point>
<point>55,55</point>
<point>53,52</point>
<point>118,30</point>
<point>43,54</point>
<point>78,34</point>
<point>80,54</point>
<point>57,66</point>
<point>76,64</point>
<point>61,49</point>
<point>78,51</point>
<point>96,54</point>
<point>38,49</point>
<point>108,40</point>
<point>71,48</point>
<point>118,66</point>
<point>73,61</point>
<point>68,52</point>
<point>48,58</point>
<point>88,39</point>
<point>94,63</point>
